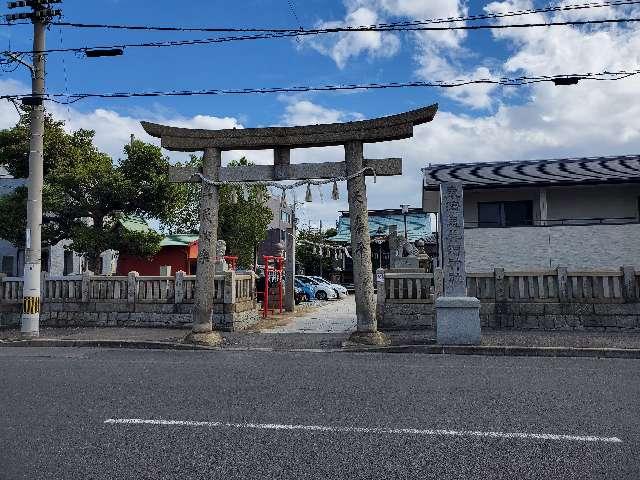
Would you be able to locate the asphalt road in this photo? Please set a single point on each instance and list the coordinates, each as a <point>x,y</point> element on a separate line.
<point>382,416</point>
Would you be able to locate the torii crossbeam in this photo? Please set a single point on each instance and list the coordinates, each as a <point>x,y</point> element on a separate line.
<point>352,135</point>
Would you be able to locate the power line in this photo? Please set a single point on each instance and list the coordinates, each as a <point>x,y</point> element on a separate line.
<point>565,79</point>
<point>491,16</point>
<point>298,33</point>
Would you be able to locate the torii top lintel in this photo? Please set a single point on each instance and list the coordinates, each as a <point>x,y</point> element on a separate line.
<point>393,127</point>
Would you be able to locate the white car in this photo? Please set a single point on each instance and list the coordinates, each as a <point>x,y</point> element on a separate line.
<point>323,291</point>
<point>340,290</point>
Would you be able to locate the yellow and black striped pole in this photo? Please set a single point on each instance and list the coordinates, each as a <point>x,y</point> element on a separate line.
<point>31,306</point>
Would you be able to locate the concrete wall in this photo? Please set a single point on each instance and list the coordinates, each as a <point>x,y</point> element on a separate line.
<point>563,202</point>
<point>116,314</point>
<point>522,316</point>
<point>540,248</point>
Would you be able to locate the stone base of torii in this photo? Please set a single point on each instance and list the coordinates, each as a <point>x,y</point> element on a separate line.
<point>352,135</point>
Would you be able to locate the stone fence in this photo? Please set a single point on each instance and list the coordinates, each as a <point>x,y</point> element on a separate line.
<point>134,300</point>
<point>544,300</point>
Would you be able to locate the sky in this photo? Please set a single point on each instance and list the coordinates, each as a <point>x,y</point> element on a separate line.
<point>476,123</point>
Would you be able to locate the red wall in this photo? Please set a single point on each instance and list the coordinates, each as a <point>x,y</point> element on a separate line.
<point>174,256</point>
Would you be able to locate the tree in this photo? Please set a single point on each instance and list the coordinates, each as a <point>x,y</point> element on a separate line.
<point>243,215</point>
<point>86,195</point>
<point>309,257</point>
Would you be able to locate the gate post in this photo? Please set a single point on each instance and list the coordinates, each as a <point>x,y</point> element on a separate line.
<point>367,326</point>
<point>202,331</point>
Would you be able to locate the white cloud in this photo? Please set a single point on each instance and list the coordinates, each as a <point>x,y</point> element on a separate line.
<point>341,47</point>
<point>438,55</point>
<point>305,112</point>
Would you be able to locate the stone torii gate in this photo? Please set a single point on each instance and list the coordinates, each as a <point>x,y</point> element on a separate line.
<point>352,135</point>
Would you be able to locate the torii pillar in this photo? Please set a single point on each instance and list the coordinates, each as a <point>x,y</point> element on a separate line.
<point>352,135</point>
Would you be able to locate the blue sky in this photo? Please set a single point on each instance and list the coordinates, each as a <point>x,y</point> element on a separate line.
<point>277,62</point>
<point>474,124</point>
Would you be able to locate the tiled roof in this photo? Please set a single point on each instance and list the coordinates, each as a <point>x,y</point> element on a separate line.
<point>178,240</point>
<point>537,172</point>
<point>418,225</point>
<point>135,224</point>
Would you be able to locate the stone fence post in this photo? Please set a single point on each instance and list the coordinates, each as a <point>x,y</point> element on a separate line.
<point>229,287</point>
<point>43,279</point>
<point>381,295</point>
<point>86,286</point>
<point>629,284</point>
<point>563,285</point>
<point>132,287</point>
<point>438,282</point>
<point>500,285</point>
<point>179,287</point>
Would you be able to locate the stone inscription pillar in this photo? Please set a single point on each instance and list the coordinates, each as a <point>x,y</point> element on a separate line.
<point>209,204</point>
<point>457,316</point>
<point>360,240</point>
<point>452,244</point>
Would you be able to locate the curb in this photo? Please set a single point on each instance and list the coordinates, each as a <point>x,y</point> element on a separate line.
<point>347,347</point>
<point>501,351</point>
<point>132,344</point>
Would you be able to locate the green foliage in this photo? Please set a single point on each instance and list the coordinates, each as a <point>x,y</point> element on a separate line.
<point>308,257</point>
<point>60,147</point>
<point>242,225</point>
<point>85,193</point>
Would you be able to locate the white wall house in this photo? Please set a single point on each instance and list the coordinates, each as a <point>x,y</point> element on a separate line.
<point>579,213</point>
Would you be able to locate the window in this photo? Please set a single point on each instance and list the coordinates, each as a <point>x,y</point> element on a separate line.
<point>68,262</point>
<point>505,214</point>
<point>7,265</point>
<point>285,216</point>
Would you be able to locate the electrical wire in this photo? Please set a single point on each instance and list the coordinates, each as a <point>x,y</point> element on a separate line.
<point>66,99</point>
<point>297,33</point>
<point>488,16</point>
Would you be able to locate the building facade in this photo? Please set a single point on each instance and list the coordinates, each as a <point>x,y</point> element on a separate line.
<point>278,229</point>
<point>581,213</point>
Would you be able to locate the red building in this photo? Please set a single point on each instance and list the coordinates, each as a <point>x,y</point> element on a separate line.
<point>180,252</point>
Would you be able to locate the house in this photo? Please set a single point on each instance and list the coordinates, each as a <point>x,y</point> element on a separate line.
<point>180,252</point>
<point>415,223</point>
<point>579,213</point>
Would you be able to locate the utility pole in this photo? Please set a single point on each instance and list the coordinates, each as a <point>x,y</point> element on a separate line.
<point>40,15</point>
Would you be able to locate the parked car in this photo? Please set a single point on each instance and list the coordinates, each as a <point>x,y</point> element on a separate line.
<point>307,288</point>
<point>322,291</point>
<point>340,290</point>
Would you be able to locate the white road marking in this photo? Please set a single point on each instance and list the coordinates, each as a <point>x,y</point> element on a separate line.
<point>374,430</point>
